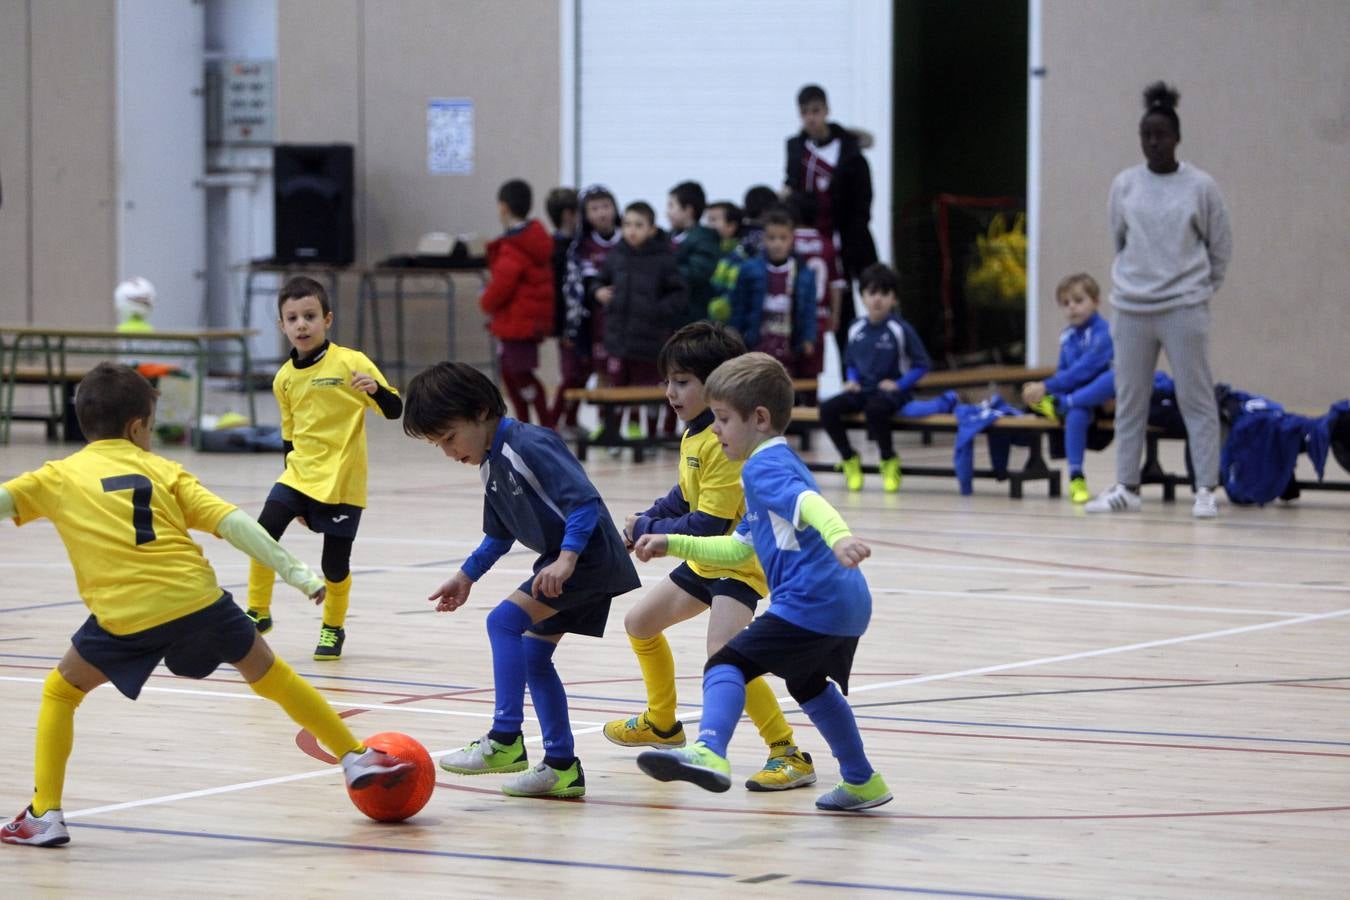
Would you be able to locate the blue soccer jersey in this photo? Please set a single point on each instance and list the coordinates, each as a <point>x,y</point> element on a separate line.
<point>807,585</point>
<point>531,483</point>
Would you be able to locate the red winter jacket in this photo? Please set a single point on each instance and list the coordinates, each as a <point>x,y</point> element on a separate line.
<point>519,297</point>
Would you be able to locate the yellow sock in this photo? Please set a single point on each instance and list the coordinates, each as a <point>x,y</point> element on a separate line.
<point>307,707</point>
<point>260,580</point>
<point>658,674</point>
<point>335,602</point>
<point>762,707</point>
<point>55,737</point>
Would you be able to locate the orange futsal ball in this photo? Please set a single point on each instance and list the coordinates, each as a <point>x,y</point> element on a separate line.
<point>393,798</point>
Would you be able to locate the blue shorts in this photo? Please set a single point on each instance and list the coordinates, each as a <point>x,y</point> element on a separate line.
<point>338,519</point>
<point>705,589</point>
<point>793,653</point>
<point>579,610</point>
<point>193,646</point>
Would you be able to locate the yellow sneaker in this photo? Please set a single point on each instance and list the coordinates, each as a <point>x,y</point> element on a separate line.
<point>890,474</point>
<point>640,732</point>
<point>852,469</point>
<point>1078,490</point>
<point>786,768</point>
<point>1045,407</point>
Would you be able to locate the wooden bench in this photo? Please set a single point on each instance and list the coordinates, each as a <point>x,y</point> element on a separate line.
<point>60,411</point>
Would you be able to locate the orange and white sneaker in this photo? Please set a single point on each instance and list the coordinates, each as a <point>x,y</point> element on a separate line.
<point>46,830</point>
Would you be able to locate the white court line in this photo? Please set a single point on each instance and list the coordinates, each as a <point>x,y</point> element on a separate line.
<point>943,676</point>
<point>1084,601</point>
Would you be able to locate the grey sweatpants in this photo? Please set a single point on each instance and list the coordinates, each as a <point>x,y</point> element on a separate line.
<point>1184,334</point>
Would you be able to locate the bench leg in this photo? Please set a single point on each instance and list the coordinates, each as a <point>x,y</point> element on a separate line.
<point>1153,472</point>
<point>582,445</point>
<point>1035,469</point>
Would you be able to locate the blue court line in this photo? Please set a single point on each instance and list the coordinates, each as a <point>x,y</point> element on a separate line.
<point>1178,734</point>
<point>42,606</point>
<point>900,889</point>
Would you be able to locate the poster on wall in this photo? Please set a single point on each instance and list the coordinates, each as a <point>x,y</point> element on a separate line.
<point>450,136</point>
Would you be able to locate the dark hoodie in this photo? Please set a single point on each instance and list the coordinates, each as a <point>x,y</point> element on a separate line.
<point>850,196</point>
<point>649,298</point>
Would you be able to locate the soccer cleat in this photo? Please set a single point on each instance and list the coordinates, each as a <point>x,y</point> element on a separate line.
<point>360,769</point>
<point>786,768</point>
<point>640,732</point>
<point>330,643</point>
<point>545,781</point>
<point>696,764</point>
<point>1206,506</point>
<point>890,474</point>
<point>852,469</point>
<point>261,619</point>
<point>1045,407</point>
<point>487,757</point>
<point>854,797</point>
<point>1078,490</point>
<point>46,830</point>
<point>1118,498</point>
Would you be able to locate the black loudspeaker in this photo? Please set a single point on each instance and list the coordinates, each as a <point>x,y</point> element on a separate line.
<point>312,203</point>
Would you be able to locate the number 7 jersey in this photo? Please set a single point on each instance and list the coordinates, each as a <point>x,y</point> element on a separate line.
<point>124,514</point>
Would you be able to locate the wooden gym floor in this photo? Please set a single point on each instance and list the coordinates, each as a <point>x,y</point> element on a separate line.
<point>1139,705</point>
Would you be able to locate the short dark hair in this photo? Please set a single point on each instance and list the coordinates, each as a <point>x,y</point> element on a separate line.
<point>879,278</point>
<point>517,196</point>
<point>300,287</point>
<point>447,392</point>
<point>109,398</point>
<point>690,193</point>
<point>777,215</point>
<point>642,208</point>
<point>698,348</point>
<point>559,201</point>
<point>757,199</point>
<point>733,213</point>
<point>811,93</point>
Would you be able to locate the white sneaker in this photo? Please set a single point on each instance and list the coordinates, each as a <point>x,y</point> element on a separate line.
<point>1206,506</point>
<point>360,769</point>
<point>1118,498</point>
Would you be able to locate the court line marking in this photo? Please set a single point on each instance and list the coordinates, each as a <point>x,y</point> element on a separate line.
<point>1079,538</point>
<point>1086,601</point>
<point>940,676</point>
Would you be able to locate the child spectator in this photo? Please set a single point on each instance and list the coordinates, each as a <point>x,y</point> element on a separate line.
<point>518,298</point>
<point>324,392</point>
<point>581,349</point>
<point>724,217</point>
<point>562,212</point>
<point>706,500</point>
<point>758,200</point>
<point>820,604</point>
<point>818,252</point>
<point>775,305</point>
<point>696,246</point>
<point>535,492</point>
<point>1083,379</point>
<point>124,514</point>
<point>883,362</point>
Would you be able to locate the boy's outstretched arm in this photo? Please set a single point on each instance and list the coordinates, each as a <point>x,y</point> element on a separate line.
<point>715,550</point>
<point>248,536</point>
<point>817,512</point>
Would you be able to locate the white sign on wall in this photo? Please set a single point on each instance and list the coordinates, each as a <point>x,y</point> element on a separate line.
<point>450,136</point>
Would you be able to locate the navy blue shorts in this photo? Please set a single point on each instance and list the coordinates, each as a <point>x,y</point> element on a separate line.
<point>338,519</point>
<point>579,611</point>
<point>797,655</point>
<point>193,646</point>
<point>705,589</point>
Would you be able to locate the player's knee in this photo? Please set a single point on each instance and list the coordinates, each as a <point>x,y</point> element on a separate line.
<point>508,618</point>
<point>804,690</point>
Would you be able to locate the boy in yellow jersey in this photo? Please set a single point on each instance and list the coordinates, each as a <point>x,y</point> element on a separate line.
<point>706,500</point>
<point>324,391</point>
<point>124,514</point>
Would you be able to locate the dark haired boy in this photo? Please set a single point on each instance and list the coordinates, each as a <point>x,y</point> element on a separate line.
<point>123,513</point>
<point>561,205</point>
<point>535,492</point>
<point>696,245</point>
<point>518,298</point>
<point>324,391</point>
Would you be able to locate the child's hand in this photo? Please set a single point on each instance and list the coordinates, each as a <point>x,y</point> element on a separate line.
<point>363,382</point>
<point>550,579</point>
<point>628,525</point>
<point>852,387</point>
<point>1033,392</point>
<point>650,546</point>
<point>453,594</point>
<point>319,595</point>
<point>886,384</point>
<point>604,294</point>
<point>851,552</point>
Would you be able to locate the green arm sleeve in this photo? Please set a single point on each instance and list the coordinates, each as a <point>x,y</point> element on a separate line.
<point>7,510</point>
<point>248,536</point>
<point>817,512</point>
<point>714,550</point>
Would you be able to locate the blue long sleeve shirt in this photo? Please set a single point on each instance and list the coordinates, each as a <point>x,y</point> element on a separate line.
<point>889,349</point>
<point>1085,351</point>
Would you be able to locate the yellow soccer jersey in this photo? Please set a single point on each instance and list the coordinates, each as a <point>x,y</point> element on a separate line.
<point>124,514</point>
<point>711,483</point>
<point>325,418</point>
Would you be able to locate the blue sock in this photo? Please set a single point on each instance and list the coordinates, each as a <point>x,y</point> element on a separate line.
<point>833,718</point>
<point>550,703</point>
<point>723,703</point>
<point>506,628</point>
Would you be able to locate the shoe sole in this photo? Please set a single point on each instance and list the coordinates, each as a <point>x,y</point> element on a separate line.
<point>654,744</point>
<point>364,780</point>
<point>54,842</point>
<point>328,657</point>
<point>870,804</point>
<point>504,770</point>
<point>570,793</point>
<point>761,787</point>
<point>664,767</point>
